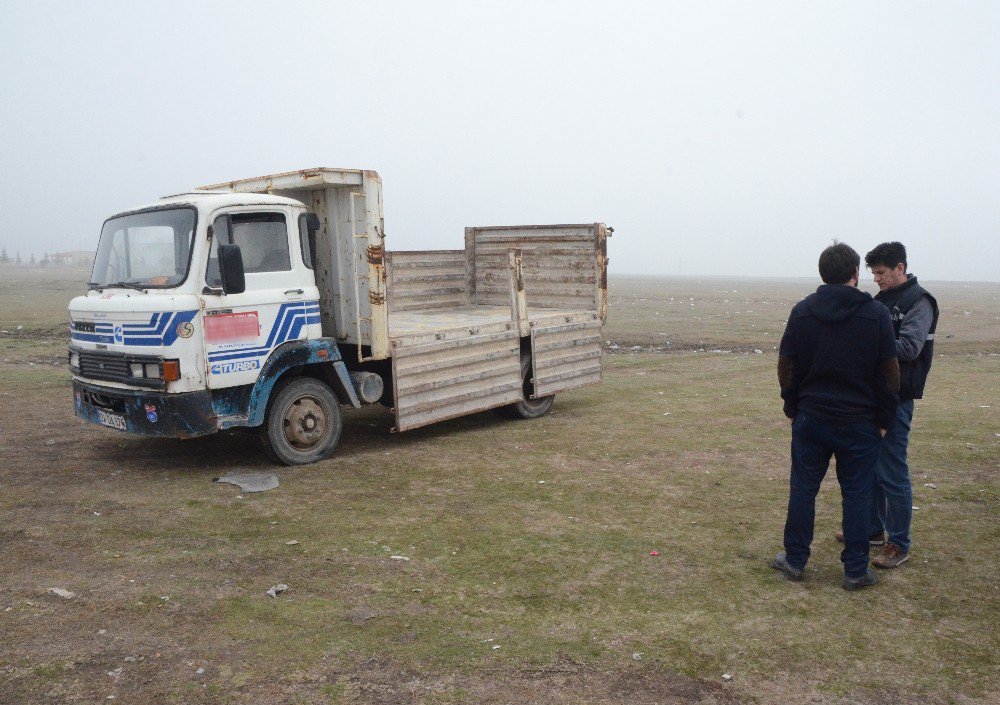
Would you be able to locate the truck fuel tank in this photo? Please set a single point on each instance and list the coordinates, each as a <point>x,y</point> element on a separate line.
<point>368,385</point>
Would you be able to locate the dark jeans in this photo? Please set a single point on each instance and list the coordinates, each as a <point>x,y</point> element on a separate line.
<point>856,447</point>
<point>892,495</point>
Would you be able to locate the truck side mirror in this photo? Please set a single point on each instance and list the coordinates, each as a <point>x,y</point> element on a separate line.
<point>231,269</point>
<point>308,227</point>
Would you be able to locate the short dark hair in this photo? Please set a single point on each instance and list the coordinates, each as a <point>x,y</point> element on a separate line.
<point>838,263</point>
<point>888,254</point>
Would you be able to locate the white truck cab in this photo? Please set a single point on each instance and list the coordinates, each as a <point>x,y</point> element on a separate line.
<point>267,303</point>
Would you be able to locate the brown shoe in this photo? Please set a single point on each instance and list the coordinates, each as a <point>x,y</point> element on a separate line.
<point>873,540</point>
<point>891,556</point>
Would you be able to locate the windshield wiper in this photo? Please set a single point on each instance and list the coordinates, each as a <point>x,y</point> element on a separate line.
<point>121,285</point>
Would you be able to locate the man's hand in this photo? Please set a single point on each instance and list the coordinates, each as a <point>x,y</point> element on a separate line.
<point>882,432</point>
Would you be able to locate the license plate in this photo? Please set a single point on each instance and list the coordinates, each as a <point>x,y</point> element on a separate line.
<point>112,420</point>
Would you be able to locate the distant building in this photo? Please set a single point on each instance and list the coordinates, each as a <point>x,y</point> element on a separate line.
<point>76,258</point>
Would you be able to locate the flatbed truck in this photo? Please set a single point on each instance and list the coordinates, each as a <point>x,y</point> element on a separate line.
<point>272,303</point>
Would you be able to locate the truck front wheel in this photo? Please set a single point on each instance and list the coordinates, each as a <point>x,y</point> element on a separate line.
<point>303,422</point>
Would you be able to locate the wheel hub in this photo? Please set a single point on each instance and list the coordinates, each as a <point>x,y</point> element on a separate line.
<point>304,423</point>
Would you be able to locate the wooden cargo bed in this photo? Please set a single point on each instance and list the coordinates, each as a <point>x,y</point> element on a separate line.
<point>516,315</point>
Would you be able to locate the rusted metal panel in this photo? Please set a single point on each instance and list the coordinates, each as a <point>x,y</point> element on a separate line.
<point>375,253</point>
<point>326,268</point>
<point>355,240</point>
<point>601,269</point>
<point>426,279</point>
<point>448,378</point>
<point>518,302</point>
<point>566,356</point>
<point>375,229</point>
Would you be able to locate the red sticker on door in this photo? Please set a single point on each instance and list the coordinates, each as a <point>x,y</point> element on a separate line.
<point>232,327</point>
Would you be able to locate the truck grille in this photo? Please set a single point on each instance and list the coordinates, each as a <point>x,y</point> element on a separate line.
<point>109,366</point>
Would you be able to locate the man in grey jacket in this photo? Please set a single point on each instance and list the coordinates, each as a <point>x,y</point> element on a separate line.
<point>914,315</point>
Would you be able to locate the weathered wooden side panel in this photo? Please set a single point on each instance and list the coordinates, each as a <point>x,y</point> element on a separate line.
<point>563,265</point>
<point>450,378</point>
<point>565,356</point>
<point>426,280</point>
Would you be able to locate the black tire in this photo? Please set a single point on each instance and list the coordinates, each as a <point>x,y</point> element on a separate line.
<point>303,422</point>
<point>528,408</point>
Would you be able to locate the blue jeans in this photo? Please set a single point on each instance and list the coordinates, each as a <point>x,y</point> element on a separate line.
<point>856,447</point>
<point>892,496</point>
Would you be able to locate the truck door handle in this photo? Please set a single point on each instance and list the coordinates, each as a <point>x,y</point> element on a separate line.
<point>294,291</point>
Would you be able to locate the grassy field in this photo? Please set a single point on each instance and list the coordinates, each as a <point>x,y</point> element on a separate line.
<point>527,574</point>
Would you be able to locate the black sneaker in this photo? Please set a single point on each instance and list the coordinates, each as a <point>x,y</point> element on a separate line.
<point>790,571</point>
<point>873,540</point>
<point>869,578</point>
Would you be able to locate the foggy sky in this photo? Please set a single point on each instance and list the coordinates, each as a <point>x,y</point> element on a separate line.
<point>717,138</point>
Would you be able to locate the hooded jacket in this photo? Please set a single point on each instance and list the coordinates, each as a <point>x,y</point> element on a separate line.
<point>838,358</point>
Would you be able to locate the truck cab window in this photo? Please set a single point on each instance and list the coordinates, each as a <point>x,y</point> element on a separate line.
<point>147,249</point>
<point>261,237</point>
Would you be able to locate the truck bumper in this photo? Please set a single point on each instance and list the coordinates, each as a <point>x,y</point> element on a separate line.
<point>146,413</point>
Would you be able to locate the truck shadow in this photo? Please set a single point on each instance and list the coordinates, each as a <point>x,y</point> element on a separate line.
<point>365,430</point>
<point>234,449</point>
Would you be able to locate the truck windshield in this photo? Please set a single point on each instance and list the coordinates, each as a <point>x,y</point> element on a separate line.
<point>149,249</point>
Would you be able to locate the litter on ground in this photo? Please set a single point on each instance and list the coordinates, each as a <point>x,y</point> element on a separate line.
<point>250,481</point>
<point>277,589</point>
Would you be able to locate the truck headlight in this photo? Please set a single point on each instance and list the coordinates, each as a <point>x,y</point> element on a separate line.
<point>144,368</point>
<point>74,359</point>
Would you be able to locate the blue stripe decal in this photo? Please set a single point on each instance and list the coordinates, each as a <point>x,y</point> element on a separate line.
<point>293,334</point>
<point>180,317</point>
<point>157,323</point>
<point>161,331</point>
<point>92,338</point>
<point>285,312</point>
<point>287,326</point>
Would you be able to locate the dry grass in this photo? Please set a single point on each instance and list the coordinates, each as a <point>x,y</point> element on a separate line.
<point>684,453</point>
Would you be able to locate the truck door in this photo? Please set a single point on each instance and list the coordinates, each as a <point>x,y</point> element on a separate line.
<point>280,303</point>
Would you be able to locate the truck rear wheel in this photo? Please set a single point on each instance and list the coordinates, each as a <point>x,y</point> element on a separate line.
<point>529,408</point>
<point>303,422</point>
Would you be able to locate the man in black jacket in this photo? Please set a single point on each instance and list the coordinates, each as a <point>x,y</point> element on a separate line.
<point>839,375</point>
<point>914,314</point>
